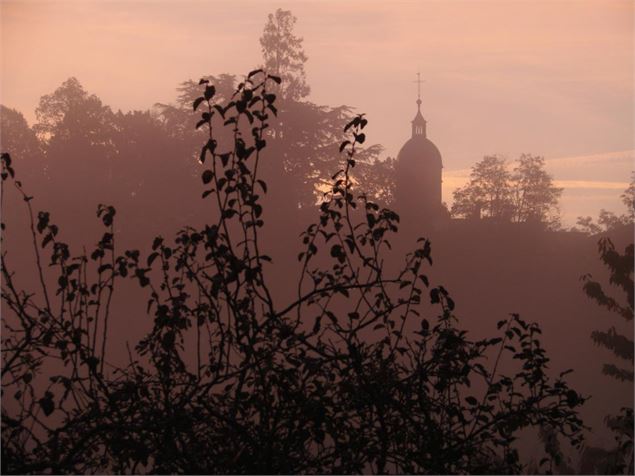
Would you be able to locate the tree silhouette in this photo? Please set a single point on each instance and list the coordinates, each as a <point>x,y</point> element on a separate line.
<point>607,220</point>
<point>19,140</point>
<point>525,195</point>
<point>488,193</point>
<point>535,198</point>
<point>351,375</point>
<point>77,132</point>
<point>284,56</point>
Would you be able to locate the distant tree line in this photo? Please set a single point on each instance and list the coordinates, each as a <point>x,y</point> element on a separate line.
<point>148,158</point>
<point>128,157</point>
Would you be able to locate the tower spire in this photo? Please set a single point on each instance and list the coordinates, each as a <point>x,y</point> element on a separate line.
<point>419,123</point>
<point>418,81</point>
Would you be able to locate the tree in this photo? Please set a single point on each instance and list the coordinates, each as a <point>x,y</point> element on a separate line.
<point>153,174</point>
<point>377,178</point>
<point>230,379</point>
<point>77,132</point>
<point>21,141</point>
<point>628,198</point>
<point>71,114</point>
<point>607,220</point>
<point>488,193</point>
<point>534,196</point>
<point>284,55</point>
<point>526,194</point>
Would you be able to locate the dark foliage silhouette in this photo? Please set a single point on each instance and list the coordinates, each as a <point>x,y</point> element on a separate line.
<point>365,370</point>
<point>524,195</point>
<point>607,220</point>
<point>619,459</point>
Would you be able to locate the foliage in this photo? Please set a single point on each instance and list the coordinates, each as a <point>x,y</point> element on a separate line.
<point>525,195</point>
<point>348,377</point>
<point>620,459</point>
<point>621,276</point>
<point>534,196</point>
<point>377,179</point>
<point>284,56</point>
<point>607,220</point>
<point>59,114</point>
<point>488,192</point>
<point>20,141</point>
<point>17,137</point>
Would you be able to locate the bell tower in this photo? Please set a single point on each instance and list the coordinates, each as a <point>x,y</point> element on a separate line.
<point>419,175</point>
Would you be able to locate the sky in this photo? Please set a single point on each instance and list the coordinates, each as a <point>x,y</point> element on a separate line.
<point>551,78</point>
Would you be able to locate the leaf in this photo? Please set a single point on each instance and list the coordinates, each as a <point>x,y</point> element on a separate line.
<point>209,92</point>
<point>434,296</point>
<point>197,102</point>
<point>275,78</point>
<point>350,124</point>
<point>47,239</point>
<point>471,400</point>
<point>344,144</point>
<point>152,257</point>
<point>47,404</point>
<point>207,176</point>
<point>203,81</point>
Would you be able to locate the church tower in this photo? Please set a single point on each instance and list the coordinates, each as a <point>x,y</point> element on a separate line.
<point>419,176</point>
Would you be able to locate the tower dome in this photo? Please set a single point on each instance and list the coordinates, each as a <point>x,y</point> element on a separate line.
<point>419,175</point>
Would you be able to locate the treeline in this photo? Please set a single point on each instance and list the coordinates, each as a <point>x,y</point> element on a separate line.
<point>147,160</point>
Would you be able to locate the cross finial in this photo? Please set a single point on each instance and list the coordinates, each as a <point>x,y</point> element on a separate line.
<point>419,81</point>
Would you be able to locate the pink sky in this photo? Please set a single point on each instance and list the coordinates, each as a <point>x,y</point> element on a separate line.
<point>506,77</point>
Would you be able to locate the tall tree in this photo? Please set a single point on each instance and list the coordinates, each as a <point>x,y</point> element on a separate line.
<point>78,131</point>
<point>534,196</point>
<point>284,55</point>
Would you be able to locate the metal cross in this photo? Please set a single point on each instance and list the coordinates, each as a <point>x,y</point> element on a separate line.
<point>419,81</point>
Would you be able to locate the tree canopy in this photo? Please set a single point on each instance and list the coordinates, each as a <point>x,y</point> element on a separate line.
<point>526,194</point>
<point>284,56</point>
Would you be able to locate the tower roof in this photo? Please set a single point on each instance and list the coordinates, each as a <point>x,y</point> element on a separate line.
<point>418,123</point>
